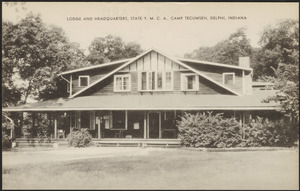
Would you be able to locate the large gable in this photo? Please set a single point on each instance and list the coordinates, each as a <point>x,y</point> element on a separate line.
<point>154,60</point>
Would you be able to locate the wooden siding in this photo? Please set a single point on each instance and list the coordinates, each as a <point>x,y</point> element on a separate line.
<point>152,61</point>
<point>216,73</point>
<point>94,75</point>
<point>107,86</point>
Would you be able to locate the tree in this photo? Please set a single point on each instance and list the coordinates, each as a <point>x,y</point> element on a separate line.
<point>278,62</point>
<point>111,48</point>
<point>287,82</point>
<point>33,55</point>
<point>17,5</point>
<point>280,44</point>
<point>227,51</point>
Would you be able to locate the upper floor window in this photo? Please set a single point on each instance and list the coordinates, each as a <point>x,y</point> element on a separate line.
<point>156,81</point>
<point>122,83</point>
<point>83,81</point>
<point>229,78</point>
<point>189,82</point>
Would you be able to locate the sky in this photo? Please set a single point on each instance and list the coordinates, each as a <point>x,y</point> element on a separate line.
<point>170,31</point>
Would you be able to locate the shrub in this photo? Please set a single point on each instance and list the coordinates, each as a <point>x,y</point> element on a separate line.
<point>6,126</point>
<point>6,142</point>
<point>207,130</point>
<point>270,133</point>
<point>211,131</point>
<point>43,128</point>
<point>79,138</point>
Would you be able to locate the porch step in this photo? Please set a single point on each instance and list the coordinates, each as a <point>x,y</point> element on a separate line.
<point>167,143</point>
<point>25,143</point>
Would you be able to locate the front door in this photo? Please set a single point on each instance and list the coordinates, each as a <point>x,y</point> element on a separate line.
<point>154,125</point>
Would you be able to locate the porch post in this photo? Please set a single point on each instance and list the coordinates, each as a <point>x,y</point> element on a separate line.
<point>99,129</point>
<point>79,119</point>
<point>55,126</point>
<point>70,113</point>
<point>145,125</point>
<point>98,121</point>
<point>240,120</point>
<point>33,131</point>
<point>244,119</point>
<point>71,83</point>
<point>22,123</point>
<point>159,128</point>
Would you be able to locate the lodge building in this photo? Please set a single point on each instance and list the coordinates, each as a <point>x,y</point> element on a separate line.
<point>138,100</point>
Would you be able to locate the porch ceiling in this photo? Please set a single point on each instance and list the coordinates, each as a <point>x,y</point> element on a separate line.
<point>154,102</point>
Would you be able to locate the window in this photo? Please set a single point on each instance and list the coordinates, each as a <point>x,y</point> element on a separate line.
<point>122,83</point>
<point>168,80</point>
<point>228,78</point>
<point>83,81</point>
<point>151,80</point>
<point>144,81</point>
<point>159,81</point>
<point>155,81</point>
<point>189,82</point>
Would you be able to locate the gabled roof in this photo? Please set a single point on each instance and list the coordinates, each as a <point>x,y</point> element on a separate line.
<point>157,102</point>
<point>111,73</point>
<point>178,61</point>
<point>96,66</point>
<point>208,78</point>
<point>214,64</point>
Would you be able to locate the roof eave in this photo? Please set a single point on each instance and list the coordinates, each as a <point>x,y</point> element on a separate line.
<point>275,108</point>
<point>93,67</point>
<point>214,64</point>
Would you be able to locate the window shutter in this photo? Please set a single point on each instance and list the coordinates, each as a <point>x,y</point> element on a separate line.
<point>185,82</point>
<point>139,81</point>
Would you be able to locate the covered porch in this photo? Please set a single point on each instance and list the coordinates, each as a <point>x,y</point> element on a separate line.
<point>132,118</point>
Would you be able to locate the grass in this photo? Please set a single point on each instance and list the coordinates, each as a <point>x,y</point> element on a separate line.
<point>162,169</point>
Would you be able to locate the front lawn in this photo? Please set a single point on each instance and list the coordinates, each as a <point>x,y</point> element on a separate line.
<point>155,169</point>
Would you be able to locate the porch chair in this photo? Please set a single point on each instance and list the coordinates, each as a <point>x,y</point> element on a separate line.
<point>26,134</point>
<point>119,134</point>
<point>61,133</point>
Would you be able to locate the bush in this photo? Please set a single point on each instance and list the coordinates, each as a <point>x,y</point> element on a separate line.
<point>6,126</point>
<point>6,142</point>
<point>79,138</point>
<point>207,130</point>
<point>43,128</point>
<point>214,131</point>
<point>270,133</point>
